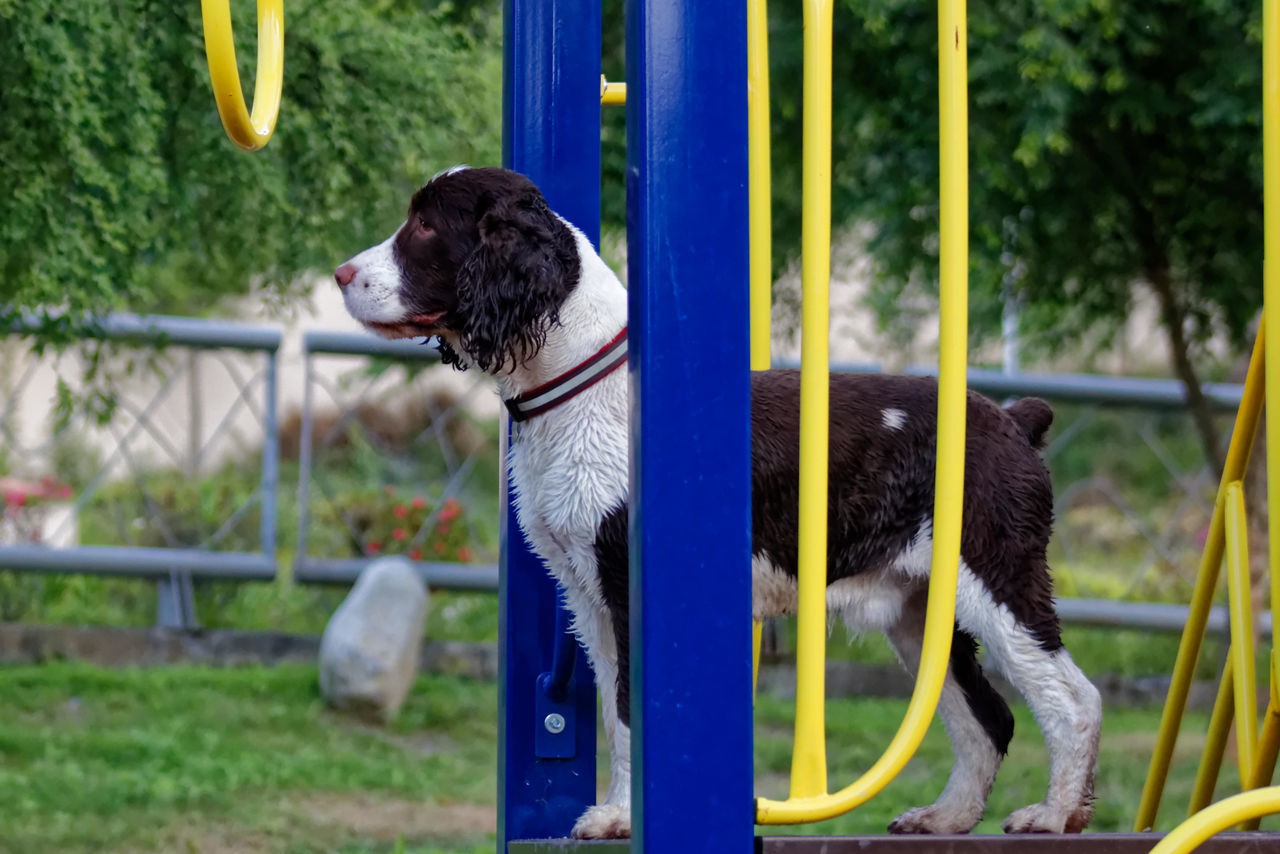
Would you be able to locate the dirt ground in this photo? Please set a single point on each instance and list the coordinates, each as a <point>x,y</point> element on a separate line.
<point>319,822</point>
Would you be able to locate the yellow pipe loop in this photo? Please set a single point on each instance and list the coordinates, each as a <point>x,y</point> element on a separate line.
<point>1241,614</point>
<point>250,132</point>
<point>1238,808</point>
<point>809,761</point>
<point>949,483</point>
<point>1242,436</point>
<point>612,94</point>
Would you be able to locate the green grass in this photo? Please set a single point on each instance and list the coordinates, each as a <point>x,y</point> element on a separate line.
<point>249,760</point>
<point>96,760</point>
<point>1132,653</point>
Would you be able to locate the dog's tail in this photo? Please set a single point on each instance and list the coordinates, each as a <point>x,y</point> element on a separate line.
<point>1033,416</point>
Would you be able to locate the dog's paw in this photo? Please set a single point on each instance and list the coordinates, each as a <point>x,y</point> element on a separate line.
<point>603,821</point>
<point>936,819</point>
<point>1041,818</point>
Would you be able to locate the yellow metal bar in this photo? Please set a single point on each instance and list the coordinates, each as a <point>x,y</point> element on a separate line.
<point>1268,747</point>
<point>1270,740</point>
<point>1271,267</point>
<point>1241,613</point>
<point>612,94</point>
<point>949,483</point>
<point>1186,836</point>
<point>809,760</point>
<point>1215,744</point>
<point>760,229</point>
<point>1248,806</point>
<point>1242,436</point>
<point>249,131</point>
<point>759,182</point>
<point>757,632</point>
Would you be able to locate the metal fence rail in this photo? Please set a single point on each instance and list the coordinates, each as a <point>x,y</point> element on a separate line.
<point>377,413</point>
<point>413,375</point>
<point>129,447</point>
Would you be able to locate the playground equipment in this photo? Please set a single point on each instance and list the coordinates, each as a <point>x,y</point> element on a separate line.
<point>809,799</point>
<point>249,131</point>
<point>687,163</point>
<point>1236,696</point>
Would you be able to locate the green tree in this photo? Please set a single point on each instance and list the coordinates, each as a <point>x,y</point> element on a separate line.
<point>121,191</point>
<point>1114,145</point>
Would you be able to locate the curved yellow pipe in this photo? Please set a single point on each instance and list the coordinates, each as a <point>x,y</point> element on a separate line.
<point>249,131</point>
<point>809,760</point>
<point>1213,819</point>
<point>949,482</point>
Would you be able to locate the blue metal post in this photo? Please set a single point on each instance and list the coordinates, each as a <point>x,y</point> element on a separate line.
<point>551,132</point>
<point>690,478</point>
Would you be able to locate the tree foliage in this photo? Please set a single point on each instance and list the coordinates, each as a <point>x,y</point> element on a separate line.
<point>120,189</point>
<point>1111,142</point>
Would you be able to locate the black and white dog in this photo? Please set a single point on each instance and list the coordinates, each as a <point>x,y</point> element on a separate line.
<point>515,291</point>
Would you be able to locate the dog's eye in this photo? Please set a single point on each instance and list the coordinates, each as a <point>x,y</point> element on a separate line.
<point>424,229</point>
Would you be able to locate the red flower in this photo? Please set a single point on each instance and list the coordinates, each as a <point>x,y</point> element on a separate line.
<point>438,546</point>
<point>398,534</point>
<point>415,554</point>
<point>419,502</point>
<point>450,510</point>
<point>15,499</point>
<point>401,511</point>
<point>373,546</point>
<point>443,529</point>
<point>464,554</point>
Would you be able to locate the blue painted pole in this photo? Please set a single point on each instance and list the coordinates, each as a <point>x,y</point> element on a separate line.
<point>551,132</point>
<point>690,479</point>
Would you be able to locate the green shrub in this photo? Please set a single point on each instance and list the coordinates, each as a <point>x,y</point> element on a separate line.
<point>385,521</point>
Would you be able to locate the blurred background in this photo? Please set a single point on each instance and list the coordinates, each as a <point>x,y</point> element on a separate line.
<point>200,450</point>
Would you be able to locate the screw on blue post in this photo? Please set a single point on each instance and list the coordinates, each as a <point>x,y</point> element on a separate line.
<point>551,132</point>
<point>690,427</point>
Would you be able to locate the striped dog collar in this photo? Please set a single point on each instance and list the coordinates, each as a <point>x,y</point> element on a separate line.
<point>571,383</point>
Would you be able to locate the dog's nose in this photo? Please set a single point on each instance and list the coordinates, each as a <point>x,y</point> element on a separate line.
<point>345,274</point>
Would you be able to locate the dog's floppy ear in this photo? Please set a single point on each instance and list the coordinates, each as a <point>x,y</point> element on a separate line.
<point>511,287</point>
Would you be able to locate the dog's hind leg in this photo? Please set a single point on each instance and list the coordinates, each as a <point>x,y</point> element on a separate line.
<point>976,718</point>
<point>1065,703</point>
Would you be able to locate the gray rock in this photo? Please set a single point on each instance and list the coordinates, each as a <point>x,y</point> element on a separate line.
<point>369,651</point>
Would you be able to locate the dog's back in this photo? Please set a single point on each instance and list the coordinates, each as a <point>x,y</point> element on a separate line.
<point>881,480</point>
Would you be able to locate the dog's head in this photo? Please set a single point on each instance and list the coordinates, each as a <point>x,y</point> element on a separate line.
<point>481,261</point>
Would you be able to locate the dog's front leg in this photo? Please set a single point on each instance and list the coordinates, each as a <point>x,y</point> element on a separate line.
<point>608,652</point>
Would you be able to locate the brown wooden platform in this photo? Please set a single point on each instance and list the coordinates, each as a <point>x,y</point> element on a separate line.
<point>1095,843</point>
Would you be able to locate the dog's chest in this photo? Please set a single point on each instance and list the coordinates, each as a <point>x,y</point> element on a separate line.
<point>568,469</point>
